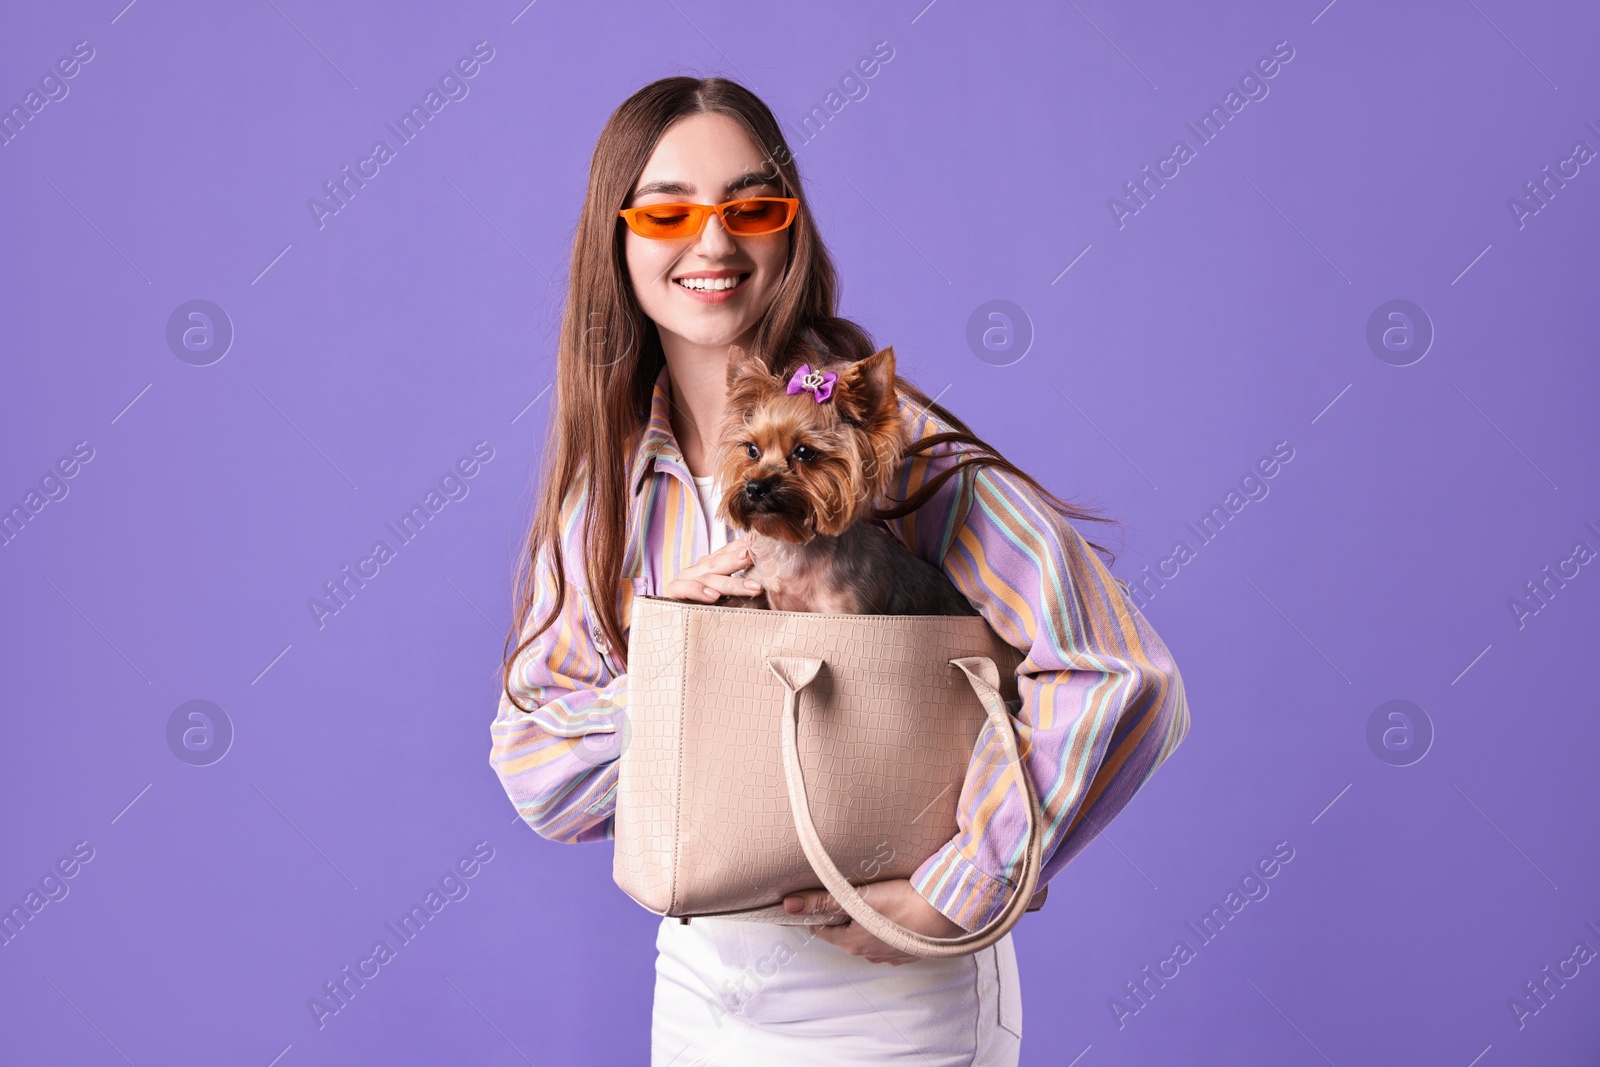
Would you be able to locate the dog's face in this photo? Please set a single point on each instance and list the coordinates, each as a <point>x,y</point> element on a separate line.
<point>796,467</point>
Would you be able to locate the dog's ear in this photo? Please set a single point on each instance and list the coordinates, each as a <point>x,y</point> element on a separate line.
<point>744,368</point>
<point>865,391</point>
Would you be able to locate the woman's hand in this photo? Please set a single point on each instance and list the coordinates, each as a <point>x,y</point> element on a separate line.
<point>894,898</point>
<point>711,577</point>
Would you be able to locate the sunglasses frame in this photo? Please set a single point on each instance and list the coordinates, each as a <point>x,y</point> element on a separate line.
<point>629,214</point>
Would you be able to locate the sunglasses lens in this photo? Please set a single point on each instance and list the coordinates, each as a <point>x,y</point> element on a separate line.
<point>756,216</point>
<point>743,217</point>
<point>667,220</point>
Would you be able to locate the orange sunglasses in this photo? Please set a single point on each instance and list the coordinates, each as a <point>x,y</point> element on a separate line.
<point>744,218</point>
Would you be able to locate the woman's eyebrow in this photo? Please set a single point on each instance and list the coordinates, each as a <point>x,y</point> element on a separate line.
<point>678,188</point>
<point>748,179</point>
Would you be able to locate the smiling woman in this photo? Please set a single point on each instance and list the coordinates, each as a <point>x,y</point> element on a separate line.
<point>695,240</point>
<point>718,250</point>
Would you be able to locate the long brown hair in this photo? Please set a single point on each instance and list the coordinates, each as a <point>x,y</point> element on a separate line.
<point>609,353</point>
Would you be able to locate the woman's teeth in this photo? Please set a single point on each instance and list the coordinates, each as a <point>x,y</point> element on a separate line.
<point>710,284</point>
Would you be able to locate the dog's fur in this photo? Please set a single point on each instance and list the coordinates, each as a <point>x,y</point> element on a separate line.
<point>809,546</point>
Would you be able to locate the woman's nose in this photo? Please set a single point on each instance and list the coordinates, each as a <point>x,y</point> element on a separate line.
<point>714,238</point>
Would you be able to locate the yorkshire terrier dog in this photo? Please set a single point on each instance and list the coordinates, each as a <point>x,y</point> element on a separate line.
<point>805,456</point>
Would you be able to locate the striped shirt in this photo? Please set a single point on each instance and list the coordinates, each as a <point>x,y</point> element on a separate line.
<point>1102,700</point>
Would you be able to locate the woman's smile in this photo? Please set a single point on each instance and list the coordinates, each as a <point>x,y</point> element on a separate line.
<point>711,286</point>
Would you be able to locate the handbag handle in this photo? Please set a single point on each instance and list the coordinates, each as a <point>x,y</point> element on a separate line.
<point>797,672</point>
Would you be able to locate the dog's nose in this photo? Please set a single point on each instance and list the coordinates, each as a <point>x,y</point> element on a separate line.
<point>757,488</point>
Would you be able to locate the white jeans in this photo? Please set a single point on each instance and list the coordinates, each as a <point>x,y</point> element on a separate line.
<point>736,992</point>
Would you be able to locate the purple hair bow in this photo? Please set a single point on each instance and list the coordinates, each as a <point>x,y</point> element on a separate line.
<point>820,384</point>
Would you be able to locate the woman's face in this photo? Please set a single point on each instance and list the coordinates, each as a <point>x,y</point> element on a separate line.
<point>705,159</point>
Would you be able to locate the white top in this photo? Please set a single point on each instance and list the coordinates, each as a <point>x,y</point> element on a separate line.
<point>710,495</point>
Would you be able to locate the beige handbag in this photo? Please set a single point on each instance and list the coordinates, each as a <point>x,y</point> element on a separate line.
<point>769,751</point>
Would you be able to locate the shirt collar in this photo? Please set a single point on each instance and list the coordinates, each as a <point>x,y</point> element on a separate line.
<point>657,446</point>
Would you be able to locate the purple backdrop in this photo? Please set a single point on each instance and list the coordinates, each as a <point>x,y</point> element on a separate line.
<point>1376,256</point>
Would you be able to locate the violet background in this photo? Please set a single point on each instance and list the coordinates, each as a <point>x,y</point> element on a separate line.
<point>1229,314</point>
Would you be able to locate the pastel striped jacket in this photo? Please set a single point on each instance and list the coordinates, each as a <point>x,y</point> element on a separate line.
<point>1102,701</point>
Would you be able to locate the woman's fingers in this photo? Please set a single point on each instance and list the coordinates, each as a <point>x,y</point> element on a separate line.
<point>732,556</point>
<point>704,589</point>
<point>708,587</point>
<point>691,589</point>
<point>813,902</point>
<point>734,586</point>
<point>724,561</point>
<point>848,936</point>
<point>711,576</point>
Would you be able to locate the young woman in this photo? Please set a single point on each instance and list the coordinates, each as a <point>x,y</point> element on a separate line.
<point>730,254</point>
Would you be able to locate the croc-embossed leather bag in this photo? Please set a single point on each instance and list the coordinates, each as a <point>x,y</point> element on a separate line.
<point>771,751</point>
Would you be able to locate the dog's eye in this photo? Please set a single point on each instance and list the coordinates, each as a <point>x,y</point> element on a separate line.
<point>805,453</point>
<point>751,450</point>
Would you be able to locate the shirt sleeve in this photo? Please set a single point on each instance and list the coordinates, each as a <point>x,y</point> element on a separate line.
<point>558,762</point>
<point>1102,700</point>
